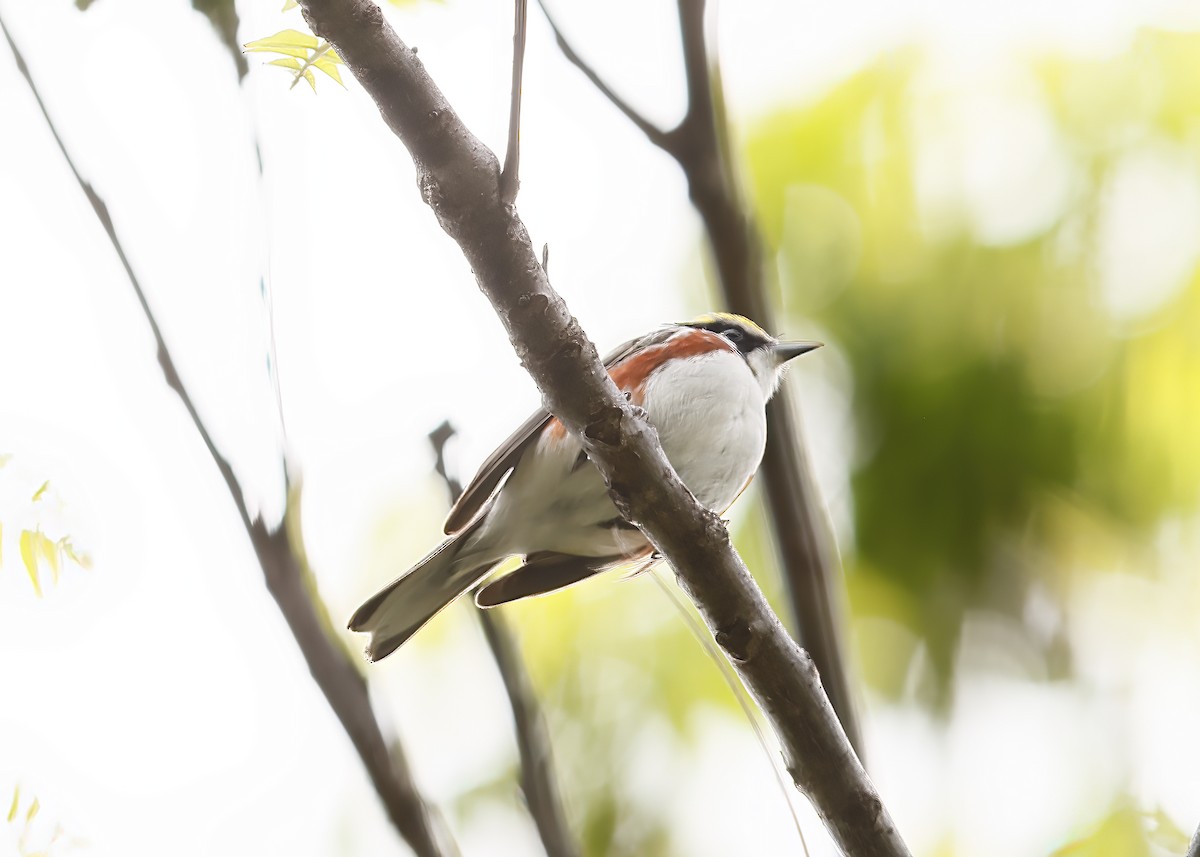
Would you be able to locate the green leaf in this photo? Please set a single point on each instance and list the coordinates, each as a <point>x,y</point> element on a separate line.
<point>284,42</point>
<point>312,81</point>
<point>32,811</point>
<point>287,62</point>
<point>290,4</point>
<point>49,551</point>
<point>1118,835</point>
<point>330,68</point>
<point>12,810</point>
<point>37,495</point>
<point>302,53</point>
<point>29,557</point>
<point>1165,833</point>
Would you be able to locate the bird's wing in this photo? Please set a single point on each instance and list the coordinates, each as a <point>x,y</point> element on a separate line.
<point>542,572</point>
<point>476,495</point>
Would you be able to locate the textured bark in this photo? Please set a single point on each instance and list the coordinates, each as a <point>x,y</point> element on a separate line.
<point>459,178</point>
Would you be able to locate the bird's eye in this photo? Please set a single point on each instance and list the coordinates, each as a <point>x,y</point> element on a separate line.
<point>732,334</point>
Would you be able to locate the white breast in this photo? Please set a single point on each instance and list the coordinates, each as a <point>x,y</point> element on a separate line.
<point>710,412</point>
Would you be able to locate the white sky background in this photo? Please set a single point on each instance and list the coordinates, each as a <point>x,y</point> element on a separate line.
<point>157,703</point>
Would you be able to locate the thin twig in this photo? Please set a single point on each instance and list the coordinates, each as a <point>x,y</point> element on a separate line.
<point>164,356</point>
<point>1194,848</point>
<point>653,133</point>
<point>510,180</point>
<point>539,783</point>
<point>459,180</point>
<point>735,687</point>
<point>286,573</point>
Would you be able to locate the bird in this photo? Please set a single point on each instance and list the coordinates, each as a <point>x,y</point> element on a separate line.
<point>703,385</point>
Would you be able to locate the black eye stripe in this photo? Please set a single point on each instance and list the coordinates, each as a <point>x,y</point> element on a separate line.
<point>744,340</point>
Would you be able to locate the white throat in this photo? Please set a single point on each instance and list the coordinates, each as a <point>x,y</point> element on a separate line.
<point>767,371</point>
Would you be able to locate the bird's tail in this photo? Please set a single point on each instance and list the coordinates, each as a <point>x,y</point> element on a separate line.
<point>396,612</point>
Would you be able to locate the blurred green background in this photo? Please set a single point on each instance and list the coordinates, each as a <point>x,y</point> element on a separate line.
<point>1000,251</point>
<point>1007,270</point>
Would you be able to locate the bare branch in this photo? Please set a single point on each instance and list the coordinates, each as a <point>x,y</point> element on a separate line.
<point>700,147</point>
<point>539,783</point>
<point>653,133</point>
<point>290,582</point>
<point>1194,848</point>
<point>809,564</point>
<point>164,356</point>
<point>459,179</point>
<point>287,576</point>
<point>510,180</point>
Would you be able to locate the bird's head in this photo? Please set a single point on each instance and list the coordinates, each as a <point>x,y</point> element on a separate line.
<point>765,354</point>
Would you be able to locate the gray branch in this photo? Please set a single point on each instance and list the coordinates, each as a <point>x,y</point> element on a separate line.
<point>458,176</point>
<point>653,133</point>
<point>539,783</point>
<point>1194,848</point>
<point>699,146</point>
<point>287,575</point>
<point>510,175</point>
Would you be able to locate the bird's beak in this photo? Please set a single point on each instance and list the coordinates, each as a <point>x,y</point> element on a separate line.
<point>785,351</point>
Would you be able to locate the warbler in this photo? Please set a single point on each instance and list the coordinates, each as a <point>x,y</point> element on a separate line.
<point>703,385</point>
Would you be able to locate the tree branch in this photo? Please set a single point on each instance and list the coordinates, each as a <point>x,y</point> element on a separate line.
<point>510,180</point>
<point>539,784</point>
<point>810,567</point>
<point>653,133</point>
<point>286,573</point>
<point>700,147</point>
<point>1194,848</point>
<point>459,178</point>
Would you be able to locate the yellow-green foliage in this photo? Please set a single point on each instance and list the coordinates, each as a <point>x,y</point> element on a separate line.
<point>39,551</point>
<point>302,52</point>
<point>1000,409</point>
<point>31,834</point>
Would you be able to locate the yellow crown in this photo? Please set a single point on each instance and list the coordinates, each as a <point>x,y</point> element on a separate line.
<point>713,317</point>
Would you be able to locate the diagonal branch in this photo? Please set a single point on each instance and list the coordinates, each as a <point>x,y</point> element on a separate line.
<point>286,573</point>
<point>653,133</point>
<point>539,783</point>
<point>699,145</point>
<point>1194,848</point>
<point>459,179</point>
<point>164,356</point>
